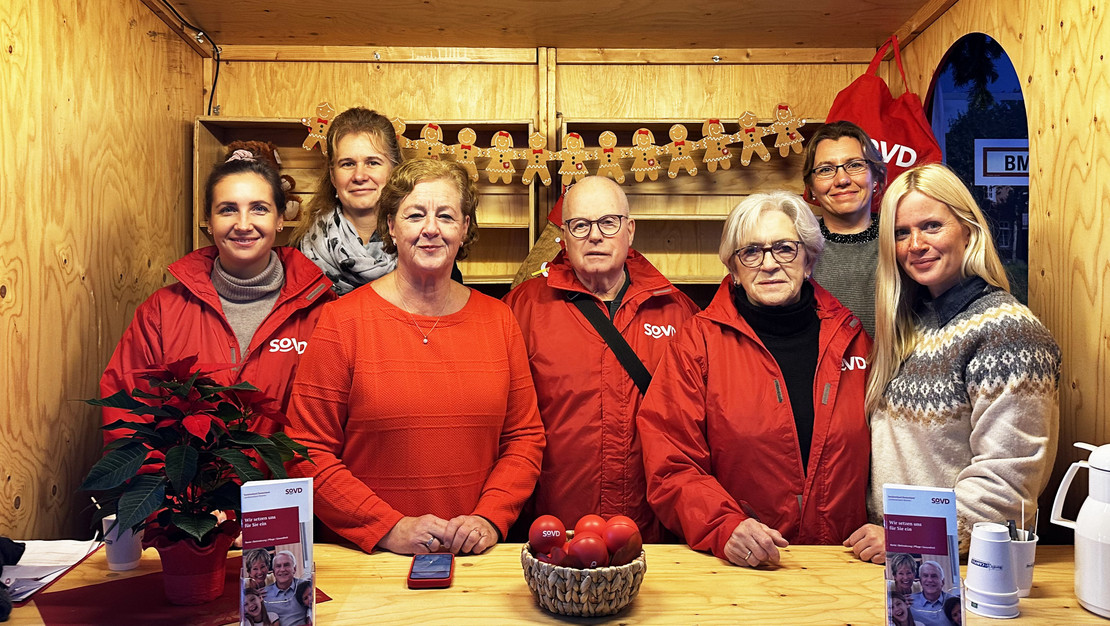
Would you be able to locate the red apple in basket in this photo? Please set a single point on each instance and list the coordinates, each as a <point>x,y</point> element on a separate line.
<point>590,524</point>
<point>588,549</point>
<point>622,539</point>
<point>546,533</point>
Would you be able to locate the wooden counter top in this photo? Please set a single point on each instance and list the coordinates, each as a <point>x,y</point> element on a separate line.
<point>814,585</point>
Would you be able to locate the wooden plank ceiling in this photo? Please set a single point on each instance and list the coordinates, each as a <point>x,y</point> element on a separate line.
<point>561,24</point>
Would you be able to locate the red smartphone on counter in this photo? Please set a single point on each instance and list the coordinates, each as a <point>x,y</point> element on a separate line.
<point>432,571</point>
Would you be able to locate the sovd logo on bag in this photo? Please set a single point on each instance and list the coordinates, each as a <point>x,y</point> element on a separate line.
<point>897,126</point>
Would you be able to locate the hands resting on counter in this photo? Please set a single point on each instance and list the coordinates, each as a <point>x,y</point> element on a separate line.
<point>465,534</point>
<point>753,543</point>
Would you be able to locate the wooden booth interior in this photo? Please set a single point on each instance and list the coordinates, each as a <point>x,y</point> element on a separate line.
<point>106,114</point>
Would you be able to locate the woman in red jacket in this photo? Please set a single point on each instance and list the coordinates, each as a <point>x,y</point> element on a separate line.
<point>753,429</point>
<point>243,307</point>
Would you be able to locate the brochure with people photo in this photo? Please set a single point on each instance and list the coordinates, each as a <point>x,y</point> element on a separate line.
<point>923,557</point>
<point>278,576</point>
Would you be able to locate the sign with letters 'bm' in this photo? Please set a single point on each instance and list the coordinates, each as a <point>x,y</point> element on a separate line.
<point>1002,162</point>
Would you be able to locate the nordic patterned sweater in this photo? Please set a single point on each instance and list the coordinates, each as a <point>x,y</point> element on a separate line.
<point>974,407</point>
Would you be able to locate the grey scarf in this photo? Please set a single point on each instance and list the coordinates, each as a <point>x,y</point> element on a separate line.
<point>334,245</point>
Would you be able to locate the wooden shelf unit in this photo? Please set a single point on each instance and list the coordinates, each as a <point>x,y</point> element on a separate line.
<point>506,213</point>
<point>679,220</point>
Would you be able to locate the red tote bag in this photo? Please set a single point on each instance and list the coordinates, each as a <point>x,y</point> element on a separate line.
<point>897,125</point>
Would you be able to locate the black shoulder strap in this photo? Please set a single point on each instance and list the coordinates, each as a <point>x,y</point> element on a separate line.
<point>624,352</point>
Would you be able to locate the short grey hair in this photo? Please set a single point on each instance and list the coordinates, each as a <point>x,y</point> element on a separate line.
<point>934,564</point>
<point>742,220</point>
<point>287,553</point>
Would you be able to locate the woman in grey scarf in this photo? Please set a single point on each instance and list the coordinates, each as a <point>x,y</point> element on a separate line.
<point>338,230</point>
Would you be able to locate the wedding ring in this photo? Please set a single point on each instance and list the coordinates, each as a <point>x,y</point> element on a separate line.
<point>749,555</point>
<point>428,543</point>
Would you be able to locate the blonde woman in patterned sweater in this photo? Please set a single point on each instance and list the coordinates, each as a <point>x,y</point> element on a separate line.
<point>964,380</point>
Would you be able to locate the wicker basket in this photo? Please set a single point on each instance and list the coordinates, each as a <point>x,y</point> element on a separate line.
<point>582,592</point>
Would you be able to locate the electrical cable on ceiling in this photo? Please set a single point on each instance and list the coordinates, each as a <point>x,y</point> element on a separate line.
<point>215,50</point>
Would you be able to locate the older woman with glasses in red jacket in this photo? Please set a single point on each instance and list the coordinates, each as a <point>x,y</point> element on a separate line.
<point>753,429</point>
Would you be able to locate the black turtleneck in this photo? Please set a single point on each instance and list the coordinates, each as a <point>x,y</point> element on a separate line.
<point>791,334</point>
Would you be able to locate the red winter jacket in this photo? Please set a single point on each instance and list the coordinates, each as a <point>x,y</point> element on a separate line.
<point>718,432</point>
<point>587,400</point>
<point>186,319</point>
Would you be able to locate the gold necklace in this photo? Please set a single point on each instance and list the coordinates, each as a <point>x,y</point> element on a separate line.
<point>405,305</point>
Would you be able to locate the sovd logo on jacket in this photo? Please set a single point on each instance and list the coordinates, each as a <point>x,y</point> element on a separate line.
<point>288,344</point>
<point>655,332</point>
<point>853,363</point>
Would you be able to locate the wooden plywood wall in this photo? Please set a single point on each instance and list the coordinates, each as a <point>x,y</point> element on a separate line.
<point>97,105</point>
<point>412,90</point>
<point>1061,52</point>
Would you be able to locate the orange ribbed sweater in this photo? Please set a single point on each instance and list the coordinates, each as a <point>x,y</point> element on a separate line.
<point>401,428</point>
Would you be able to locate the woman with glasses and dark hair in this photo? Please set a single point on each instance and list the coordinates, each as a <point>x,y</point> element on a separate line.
<point>753,430</point>
<point>843,171</point>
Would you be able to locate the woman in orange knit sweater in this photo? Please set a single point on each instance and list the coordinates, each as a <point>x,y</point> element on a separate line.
<point>414,397</point>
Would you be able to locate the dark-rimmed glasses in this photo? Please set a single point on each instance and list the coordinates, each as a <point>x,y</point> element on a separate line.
<point>783,251</point>
<point>580,227</point>
<point>855,167</point>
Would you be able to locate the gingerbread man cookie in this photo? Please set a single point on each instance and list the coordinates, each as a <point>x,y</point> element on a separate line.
<point>501,156</point>
<point>608,157</point>
<point>399,129</point>
<point>430,145</point>
<point>318,127</point>
<point>644,153</point>
<point>786,125</point>
<point>715,142</point>
<point>537,157</point>
<point>574,157</point>
<point>751,135</point>
<point>465,151</point>
<point>680,151</point>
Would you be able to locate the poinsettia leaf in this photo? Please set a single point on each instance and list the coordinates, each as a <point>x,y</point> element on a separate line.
<point>272,458</point>
<point>146,395</point>
<point>143,496</point>
<point>118,400</point>
<point>221,389</point>
<point>241,463</point>
<point>197,425</point>
<point>156,411</point>
<point>181,466</point>
<point>196,525</point>
<point>247,438</point>
<point>137,427</point>
<point>115,467</point>
<point>289,447</point>
<point>226,497</point>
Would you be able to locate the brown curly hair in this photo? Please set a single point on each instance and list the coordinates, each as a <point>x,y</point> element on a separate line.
<point>403,180</point>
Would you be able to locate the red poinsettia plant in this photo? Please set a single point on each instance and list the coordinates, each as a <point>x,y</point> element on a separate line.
<point>184,451</point>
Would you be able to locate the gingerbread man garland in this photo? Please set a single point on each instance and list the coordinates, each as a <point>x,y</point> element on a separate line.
<point>608,157</point>
<point>430,145</point>
<point>644,153</point>
<point>715,143</point>
<point>501,156</point>
<point>399,129</point>
<point>465,151</point>
<point>786,125</point>
<point>681,152</point>
<point>318,128</point>
<point>574,157</point>
<point>537,157</point>
<point>751,135</point>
